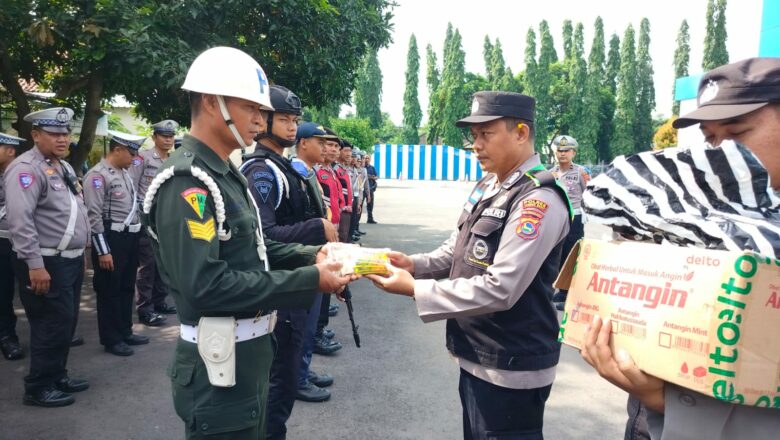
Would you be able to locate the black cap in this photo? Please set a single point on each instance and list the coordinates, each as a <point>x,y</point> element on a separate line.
<point>489,106</point>
<point>734,90</point>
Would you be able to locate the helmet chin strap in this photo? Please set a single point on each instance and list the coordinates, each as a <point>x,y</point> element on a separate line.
<point>230,123</point>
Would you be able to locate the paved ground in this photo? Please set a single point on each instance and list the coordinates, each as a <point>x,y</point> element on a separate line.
<point>401,384</point>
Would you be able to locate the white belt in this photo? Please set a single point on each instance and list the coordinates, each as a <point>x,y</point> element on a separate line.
<point>5,234</point>
<point>69,253</point>
<point>120,227</point>
<point>246,329</point>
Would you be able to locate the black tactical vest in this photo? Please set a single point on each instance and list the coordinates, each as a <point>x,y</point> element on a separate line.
<point>525,337</point>
<point>298,206</point>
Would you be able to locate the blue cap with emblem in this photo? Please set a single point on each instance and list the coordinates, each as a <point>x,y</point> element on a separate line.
<point>310,129</point>
<point>130,141</point>
<point>53,120</point>
<point>7,139</point>
<point>167,127</point>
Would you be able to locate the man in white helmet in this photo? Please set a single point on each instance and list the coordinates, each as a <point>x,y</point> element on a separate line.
<point>213,258</point>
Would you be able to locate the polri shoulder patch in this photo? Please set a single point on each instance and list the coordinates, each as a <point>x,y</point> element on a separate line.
<point>202,231</point>
<point>196,198</point>
<point>97,182</point>
<point>26,180</point>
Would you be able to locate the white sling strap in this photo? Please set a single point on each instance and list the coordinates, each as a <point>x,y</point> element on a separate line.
<point>70,230</point>
<point>130,216</point>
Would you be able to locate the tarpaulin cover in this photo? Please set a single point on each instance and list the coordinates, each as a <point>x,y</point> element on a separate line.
<point>715,198</point>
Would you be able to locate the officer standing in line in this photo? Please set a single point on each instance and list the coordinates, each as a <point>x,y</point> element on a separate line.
<point>372,186</point>
<point>199,206</point>
<point>492,279</point>
<point>289,213</point>
<point>48,224</point>
<point>574,178</point>
<point>9,342</point>
<point>150,290</point>
<point>110,196</point>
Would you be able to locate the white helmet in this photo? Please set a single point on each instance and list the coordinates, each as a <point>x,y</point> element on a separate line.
<point>225,71</point>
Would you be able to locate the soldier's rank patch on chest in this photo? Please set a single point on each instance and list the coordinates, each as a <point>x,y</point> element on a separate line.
<point>196,198</point>
<point>26,180</point>
<point>202,230</point>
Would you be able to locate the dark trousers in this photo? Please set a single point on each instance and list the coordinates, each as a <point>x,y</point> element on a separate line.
<point>370,207</point>
<point>636,425</point>
<point>576,232</point>
<point>149,287</point>
<point>7,315</point>
<point>52,317</point>
<point>312,318</point>
<point>283,379</point>
<point>115,289</point>
<point>324,316</point>
<point>344,233</point>
<point>494,412</point>
<point>355,217</point>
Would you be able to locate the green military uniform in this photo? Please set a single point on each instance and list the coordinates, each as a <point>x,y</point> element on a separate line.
<point>221,274</point>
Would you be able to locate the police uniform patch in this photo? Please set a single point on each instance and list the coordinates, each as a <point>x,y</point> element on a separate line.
<point>535,204</point>
<point>528,227</point>
<point>26,180</point>
<point>264,189</point>
<point>118,194</point>
<point>58,186</point>
<point>202,231</point>
<point>97,182</point>
<point>137,162</point>
<point>50,171</point>
<point>500,200</point>
<point>196,198</point>
<point>494,212</point>
<point>262,175</point>
<point>480,249</point>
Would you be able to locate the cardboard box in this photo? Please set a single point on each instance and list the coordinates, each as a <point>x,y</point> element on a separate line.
<point>706,320</point>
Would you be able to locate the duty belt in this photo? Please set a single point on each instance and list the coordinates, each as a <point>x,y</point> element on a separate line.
<point>68,253</point>
<point>246,329</point>
<point>5,234</point>
<point>121,227</point>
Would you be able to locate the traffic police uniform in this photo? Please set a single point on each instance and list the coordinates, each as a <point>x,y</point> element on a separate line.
<point>290,214</point>
<point>9,342</point>
<point>48,224</point>
<point>212,256</point>
<point>492,281</point>
<point>150,290</point>
<point>114,219</point>
<point>574,180</point>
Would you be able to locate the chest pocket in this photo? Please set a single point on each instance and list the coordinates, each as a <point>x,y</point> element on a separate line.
<point>241,223</point>
<point>56,183</point>
<point>483,241</point>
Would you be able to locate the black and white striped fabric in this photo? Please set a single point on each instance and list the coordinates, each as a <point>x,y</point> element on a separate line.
<point>717,198</point>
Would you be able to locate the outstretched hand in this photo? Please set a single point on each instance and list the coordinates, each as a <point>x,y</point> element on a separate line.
<point>620,370</point>
<point>399,281</point>
<point>401,261</point>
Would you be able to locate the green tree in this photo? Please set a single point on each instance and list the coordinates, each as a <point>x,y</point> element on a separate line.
<point>324,114</point>
<point>87,52</point>
<point>595,92</point>
<point>451,93</point>
<point>682,56</point>
<point>584,124</point>
<point>357,131</point>
<point>412,110</point>
<point>433,79</point>
<point>643,125</point>
<point>497,68</point>
<point>530,76</point>
<point>568,42</point>
<point>715,52</point>
<point>389,133</point>
<point>626,111</point>
<point>613,64</point>
<point>546,119</point>
<point>487,55</point>
<point>368,91</point>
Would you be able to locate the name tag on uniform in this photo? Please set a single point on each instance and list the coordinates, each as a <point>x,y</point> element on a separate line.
<point>494,212</point>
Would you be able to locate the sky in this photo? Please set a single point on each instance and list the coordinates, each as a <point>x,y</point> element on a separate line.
<point>509,21</point>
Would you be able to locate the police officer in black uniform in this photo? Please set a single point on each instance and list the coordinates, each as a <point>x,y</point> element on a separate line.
<point>289,213</point>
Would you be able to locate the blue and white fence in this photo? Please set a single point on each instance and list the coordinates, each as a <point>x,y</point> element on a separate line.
<point>425,162</point>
